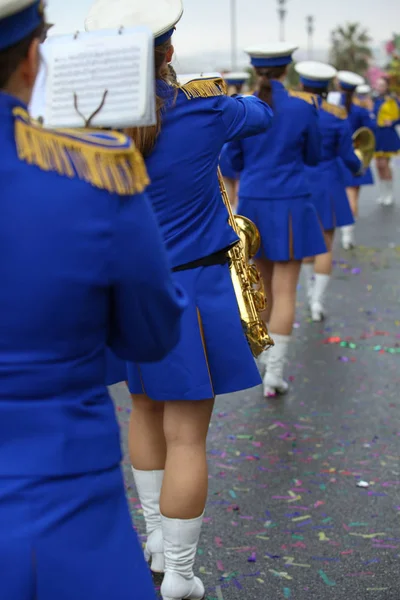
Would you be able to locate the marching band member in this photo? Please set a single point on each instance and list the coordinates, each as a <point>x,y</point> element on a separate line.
<point>363,94</point>
<point>83,263</point>
<point>359,116</point>
<point>275,194</point>
<point>387,112</point>
<point>173,399</point>
<point>326,178</point>
<point>236,81</point>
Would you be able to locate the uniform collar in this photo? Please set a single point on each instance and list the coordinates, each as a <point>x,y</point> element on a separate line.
<point>277,85</point>
<point>8,103</point>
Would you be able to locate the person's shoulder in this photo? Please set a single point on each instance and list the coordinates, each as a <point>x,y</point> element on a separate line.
<point>211,87</point>
<point>339,112</point>
<point>304,98</point>
<point>107,160</point>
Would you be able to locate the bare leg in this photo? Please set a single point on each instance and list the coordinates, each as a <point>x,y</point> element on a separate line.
<point>323,262</point>
<point>184,495</point>
<point>147,448</point>
<point>284,290</point>
<point>185,485</point>
<point>353,194</point>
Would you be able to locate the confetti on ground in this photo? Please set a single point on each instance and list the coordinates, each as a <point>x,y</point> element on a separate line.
<point>304,490</point>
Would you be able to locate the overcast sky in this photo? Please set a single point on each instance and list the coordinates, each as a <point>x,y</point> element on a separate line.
<point>205,25</point>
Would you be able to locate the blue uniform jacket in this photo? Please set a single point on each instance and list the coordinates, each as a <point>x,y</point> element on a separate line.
<point>336,136</point>
<point>80,267</point>
<point>183,166</point>
<point>359,116</point>
<point>272,164</point>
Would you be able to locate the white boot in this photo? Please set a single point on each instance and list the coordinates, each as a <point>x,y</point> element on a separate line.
<point>318,300</point>
<point>181,537</point>
<point>348,241</point>
<point>148,485</point>
<point>273,379</point>
<point>308,270</point>
<point>388,199</point>
<point>382,191</point>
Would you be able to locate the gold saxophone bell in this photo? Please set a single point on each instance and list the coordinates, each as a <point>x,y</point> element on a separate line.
<point>364,145</point>
<point>246,279</point>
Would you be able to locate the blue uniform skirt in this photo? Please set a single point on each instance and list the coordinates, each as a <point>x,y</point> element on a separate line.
<point>351,180</point>
<point>329,194</point>
<point>289,228</point>
<point>387,141</point>
<point>212,356</point>
<point>70,538</point>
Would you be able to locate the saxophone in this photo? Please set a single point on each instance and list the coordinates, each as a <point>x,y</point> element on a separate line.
<point>246,278</point>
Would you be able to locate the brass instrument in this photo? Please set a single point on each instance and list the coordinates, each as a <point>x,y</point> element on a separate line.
<point>364,145</point>
<point>246,279</point>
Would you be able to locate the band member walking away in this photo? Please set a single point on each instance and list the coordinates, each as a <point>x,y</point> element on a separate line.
<point>275,194</point>
<point>359,116</point>
<point>328,193</point>
<point>173,399</point>
<point>83,264</point>
<point>387,112</point>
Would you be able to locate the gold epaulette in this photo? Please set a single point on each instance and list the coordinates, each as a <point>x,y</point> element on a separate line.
<point>358,102</point>
<point>204,88</point>
<point>106,159</point>
<point>338,111</point>
<point>306,96</point>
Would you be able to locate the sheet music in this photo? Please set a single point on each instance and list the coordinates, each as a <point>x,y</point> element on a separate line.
<point>97,69</point>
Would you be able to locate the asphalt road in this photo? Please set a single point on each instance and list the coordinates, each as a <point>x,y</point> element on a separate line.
<point>286,516</point>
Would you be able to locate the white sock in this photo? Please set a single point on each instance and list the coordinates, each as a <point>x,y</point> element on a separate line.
<point>389,187</point>
<point>320,287</point>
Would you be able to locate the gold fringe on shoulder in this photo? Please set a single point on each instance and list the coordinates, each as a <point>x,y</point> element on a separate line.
<point>306,96</point>
<point>115,166</point>
<point>338,111</point>
<point>204,88</point>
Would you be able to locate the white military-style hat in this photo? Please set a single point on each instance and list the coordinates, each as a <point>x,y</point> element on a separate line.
<point>276,54</point>
<point>349,80</point>
<point>363,89</point>
<point>315,74</point>
<point>236,77</point>
<point>18,19</point>
<point>185,78</point>
<point>160,16</point>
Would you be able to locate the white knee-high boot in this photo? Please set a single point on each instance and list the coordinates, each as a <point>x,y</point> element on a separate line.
<point>148,485</point>
<point>388,198</point>
<point>276,359</point>
<point>318,300</point>
<point>348,240</point>
<point>181,537</point>
<point>308,270</point>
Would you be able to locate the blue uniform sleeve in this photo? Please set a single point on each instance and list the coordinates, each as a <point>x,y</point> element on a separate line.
<point>313,142</point>
<point>232,157</point>
<point>368,120</point>
<point>146,305</point>
<point>244,116</point>
<point>345,149</point>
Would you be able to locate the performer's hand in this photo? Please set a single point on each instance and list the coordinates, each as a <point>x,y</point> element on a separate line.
<point>388,122</point>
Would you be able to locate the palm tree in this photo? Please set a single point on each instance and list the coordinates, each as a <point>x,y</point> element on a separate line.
<point>351,48</point>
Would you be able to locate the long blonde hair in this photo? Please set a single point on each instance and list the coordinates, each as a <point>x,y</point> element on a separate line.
<point>145,137</point>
